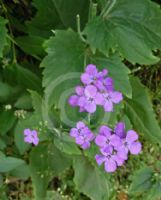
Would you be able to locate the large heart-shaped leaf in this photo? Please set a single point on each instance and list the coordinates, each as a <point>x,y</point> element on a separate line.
<point>131,27</point>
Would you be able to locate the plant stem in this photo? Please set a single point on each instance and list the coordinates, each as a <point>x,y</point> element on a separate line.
<point>78,28</point>
<point>108,8</point>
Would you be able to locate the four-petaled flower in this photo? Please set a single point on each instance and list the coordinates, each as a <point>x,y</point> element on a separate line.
<point>31,136</point>
<point>82,134</point>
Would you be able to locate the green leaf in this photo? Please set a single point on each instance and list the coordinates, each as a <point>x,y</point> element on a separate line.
<point>23,102</point>
<point>66,144</point>
<point>141,180</point>
<point>53,195</point>
<point>140,112</point>
<point>7,120</point>
<point>5,91</point>
<point>45,19</point>
<point>9,163</point>
<point>154,193</point>
<point>89,180</point>
<point>132,28</point>
<point>66,51</point>
<point>45,162</point>
<point>31,45</point>
<point>36,101</point>
<point>3,35</point>
<point>22,172</point>
<point>27,78</point>
<point>117,70</point>
<point>68,10</point>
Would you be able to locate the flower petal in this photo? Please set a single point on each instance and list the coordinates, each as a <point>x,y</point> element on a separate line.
<point>27,132</point>
<point>122,152</point>
<point>108,82</point>
<point>108,106</point>
<point>91,70</point>
<point>105,130</point>
<point>99,99</point>
<point>79,140</point>
<point>79,90</point>
<point>118,160</point>
<point>80,125</point>
<point>28,139</point>
<point>115,141</point>
<point>90,91</point>
<point>34,133</point>
<point>81,101</point>
<point>100,159</point>
<point>90,107</point>
<point>85,145</point>
<point>35,141</point>
<point>86,79</point>
<point>90,136</point>
<point>131,136</point>
<point>135,148</point>
<point>120,129</point>
<point>116,97</point>
<point>74,132</point>
<point>100,140</point>
<point>110,165</point>
<point>73,100</point>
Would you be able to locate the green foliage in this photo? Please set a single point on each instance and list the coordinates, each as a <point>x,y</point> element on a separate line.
<point>140,111</point>
<point>3,35</point>
<point>45,162</point>
<point>89,180</point>
<point>7,120</point>
<point>142,180</point>
<point>147,181</point>
<point>128,21</point>
<point>9,163</point>
<point>45,45</point>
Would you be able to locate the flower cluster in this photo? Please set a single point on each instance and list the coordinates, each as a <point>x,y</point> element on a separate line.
<point>97,89</point>
<point>82,134</point>
<point>115,145</point>
<point>31,136</point>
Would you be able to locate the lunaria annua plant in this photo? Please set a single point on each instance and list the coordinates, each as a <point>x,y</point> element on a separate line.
<point>114,145</point>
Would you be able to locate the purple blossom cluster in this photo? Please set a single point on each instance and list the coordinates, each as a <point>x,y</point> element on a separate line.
<point>115,145</point>
<point>96,89</point>
<point>82,134</point>
<point>31,137</point>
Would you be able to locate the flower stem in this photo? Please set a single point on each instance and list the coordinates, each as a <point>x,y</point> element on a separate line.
<point>78,28</point>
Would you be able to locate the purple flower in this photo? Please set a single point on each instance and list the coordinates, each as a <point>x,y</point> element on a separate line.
<point>90,99</point>
<point>31,136</point>
<point>105,85</point>
<point>97,89</point>
<point>120,130</point>
<point>111,158</point>
<point>110,98</point>
<point>82,134</point>
<point>106,138</point>
<point>90,75</point>
<point>131,143</point>
<point>73,100</point>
